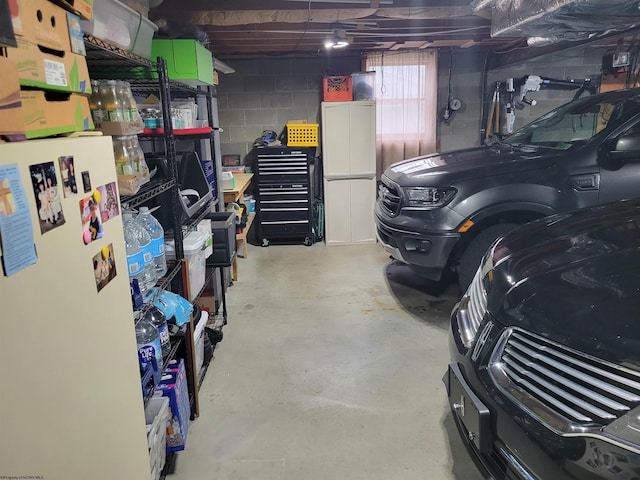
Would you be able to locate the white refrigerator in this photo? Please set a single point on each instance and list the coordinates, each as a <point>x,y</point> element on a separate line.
<point>71,396</point>
<point>349,171</point>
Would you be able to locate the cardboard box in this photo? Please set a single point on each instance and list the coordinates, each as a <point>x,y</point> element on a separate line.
<point>41,22</point>
<point>63,71</point>
<point>187,60</point>
<point>130,184</point>
<point>116,129</point>
<point>83,8</point>
<point>43,114</point>
<point>11,124</point>
<point>42,27</point>
<point>174,386</point>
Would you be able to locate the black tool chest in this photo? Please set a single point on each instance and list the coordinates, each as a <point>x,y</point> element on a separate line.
<point>284,196</point>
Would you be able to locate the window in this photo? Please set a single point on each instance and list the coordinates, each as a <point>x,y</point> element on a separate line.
<point>406,86</point>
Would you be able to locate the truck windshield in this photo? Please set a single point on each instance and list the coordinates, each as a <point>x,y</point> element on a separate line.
<point>576,122</point>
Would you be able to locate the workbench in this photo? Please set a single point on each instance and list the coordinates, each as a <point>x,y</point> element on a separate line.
<point>242,181</point>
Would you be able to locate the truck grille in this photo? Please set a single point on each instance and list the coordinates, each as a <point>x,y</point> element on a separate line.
<point>389,197</point>
<point>577,389</point>
<point>473,307</point>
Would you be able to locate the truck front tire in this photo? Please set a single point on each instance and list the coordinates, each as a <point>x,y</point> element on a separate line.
<point>470,260</point>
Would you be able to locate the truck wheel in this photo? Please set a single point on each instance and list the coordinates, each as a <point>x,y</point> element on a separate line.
<point>470,260</point>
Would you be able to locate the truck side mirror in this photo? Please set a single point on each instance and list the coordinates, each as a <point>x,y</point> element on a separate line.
<point>626,148</point>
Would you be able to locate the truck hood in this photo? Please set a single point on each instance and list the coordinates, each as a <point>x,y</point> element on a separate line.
<point>444,168</point>
<point>575,279</point>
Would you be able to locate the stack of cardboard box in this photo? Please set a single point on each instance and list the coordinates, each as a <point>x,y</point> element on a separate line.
<point>44,82</point>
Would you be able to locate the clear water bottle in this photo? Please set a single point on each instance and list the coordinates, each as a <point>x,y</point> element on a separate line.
<point>155,231</point>
<point>135,259</point>
<point>157,318</point>
<point>135,229</point>
<point>149,347</point>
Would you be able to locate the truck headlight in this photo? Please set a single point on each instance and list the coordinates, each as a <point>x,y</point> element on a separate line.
<point>429,197</point>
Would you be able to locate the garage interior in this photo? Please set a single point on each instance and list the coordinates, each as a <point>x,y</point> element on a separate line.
<point>275,320</point>
<point>332,368</point>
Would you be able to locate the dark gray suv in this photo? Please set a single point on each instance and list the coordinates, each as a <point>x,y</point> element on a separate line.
<point>440,212</point>
<point>544,376</point>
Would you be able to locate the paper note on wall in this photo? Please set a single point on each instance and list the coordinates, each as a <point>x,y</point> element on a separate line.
<point>16,229</point>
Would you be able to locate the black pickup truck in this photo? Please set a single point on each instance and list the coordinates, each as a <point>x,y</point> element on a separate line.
<point>439,213</point>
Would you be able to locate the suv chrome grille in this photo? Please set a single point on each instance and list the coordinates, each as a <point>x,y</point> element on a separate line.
<point>568,388</point>
<point>389,197</point>
<point>472,308</point>
<point>477,300</point>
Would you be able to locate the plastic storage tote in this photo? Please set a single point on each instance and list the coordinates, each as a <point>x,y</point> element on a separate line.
<point>157,415</point>
<point>194,246</point>
<point>122,26</point>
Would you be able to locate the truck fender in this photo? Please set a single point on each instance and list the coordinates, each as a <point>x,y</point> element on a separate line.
<point>508,198</point>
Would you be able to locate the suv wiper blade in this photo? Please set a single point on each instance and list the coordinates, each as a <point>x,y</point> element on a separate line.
<point>502,146</point>
<point>526,147</point>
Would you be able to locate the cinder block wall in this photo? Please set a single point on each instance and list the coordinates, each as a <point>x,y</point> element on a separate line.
<point>463,130</point>
<point>264,93</point>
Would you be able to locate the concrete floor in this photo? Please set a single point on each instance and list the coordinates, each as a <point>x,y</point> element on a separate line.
<point>330,368</point>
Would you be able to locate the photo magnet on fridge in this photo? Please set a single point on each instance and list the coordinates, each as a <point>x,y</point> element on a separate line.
<point>108,201</point>
<point>68,172</point>
<point>86,181</point>
<point>92,227</point>
<point>104,266</point>
<point>16,230</point>
<point>47,195</point>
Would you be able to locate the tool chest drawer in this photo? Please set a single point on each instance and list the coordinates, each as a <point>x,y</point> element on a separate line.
<point>272,230</point>
<point>282,165</point>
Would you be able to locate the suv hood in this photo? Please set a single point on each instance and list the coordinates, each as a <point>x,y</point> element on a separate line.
<point>574,278</point>
<point>445,168</point>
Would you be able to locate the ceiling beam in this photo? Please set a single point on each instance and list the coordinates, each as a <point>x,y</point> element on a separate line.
<point>251,17</point>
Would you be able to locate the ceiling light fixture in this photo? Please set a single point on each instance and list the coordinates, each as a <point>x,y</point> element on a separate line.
<point>338,40</point>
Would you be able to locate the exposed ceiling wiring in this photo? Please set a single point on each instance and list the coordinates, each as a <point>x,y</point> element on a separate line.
<point>306,25</point>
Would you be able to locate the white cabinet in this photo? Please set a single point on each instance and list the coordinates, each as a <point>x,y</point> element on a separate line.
<point>349,139</point>
<point>349,164</point>
<point>349,211</point>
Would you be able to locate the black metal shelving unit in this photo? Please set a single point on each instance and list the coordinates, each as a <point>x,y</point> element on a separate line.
<point>106,61</point>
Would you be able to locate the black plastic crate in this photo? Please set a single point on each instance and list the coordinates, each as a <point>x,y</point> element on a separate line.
<point>223,227</point>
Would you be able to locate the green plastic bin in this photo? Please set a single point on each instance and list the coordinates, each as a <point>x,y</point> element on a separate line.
<point>188,61</point>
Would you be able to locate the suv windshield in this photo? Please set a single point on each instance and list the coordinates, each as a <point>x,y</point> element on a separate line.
<point>577,122</point>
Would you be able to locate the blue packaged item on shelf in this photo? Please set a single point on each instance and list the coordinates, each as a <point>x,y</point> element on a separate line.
<point>210,175</point>
<point>173,305</point>
<point>173,385</point>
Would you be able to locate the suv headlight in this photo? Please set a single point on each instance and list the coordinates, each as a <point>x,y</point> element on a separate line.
<point>429,197</point>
